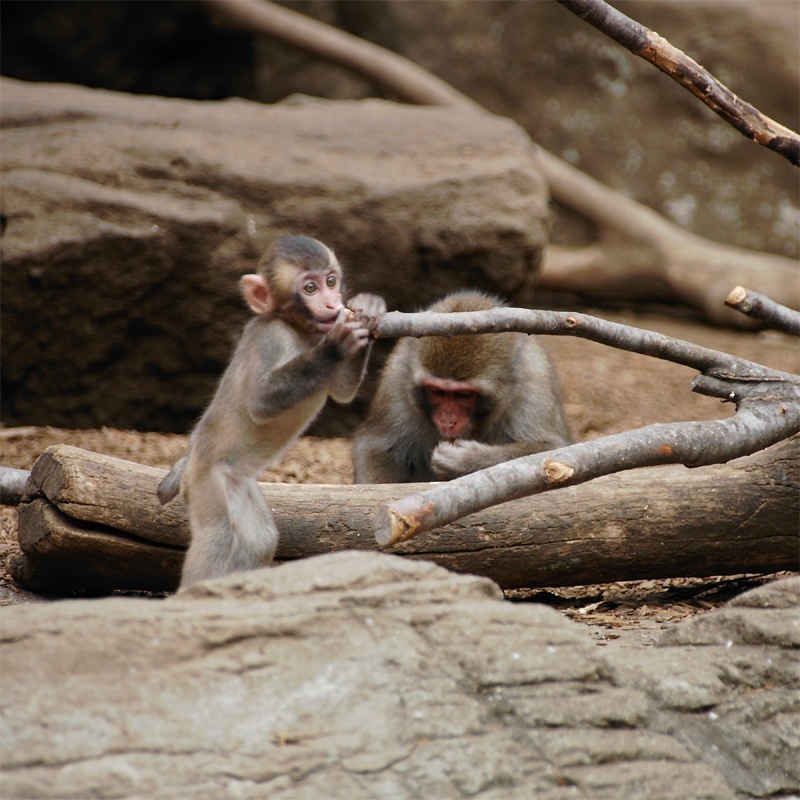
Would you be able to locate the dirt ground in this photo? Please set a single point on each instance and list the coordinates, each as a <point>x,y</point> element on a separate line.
<point>605,391</point>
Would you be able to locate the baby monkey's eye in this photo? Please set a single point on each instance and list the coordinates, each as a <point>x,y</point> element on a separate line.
<point>310,287</point>
<point>331,281</point>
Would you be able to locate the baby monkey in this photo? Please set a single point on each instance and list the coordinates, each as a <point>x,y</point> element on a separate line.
<point>301,347</point>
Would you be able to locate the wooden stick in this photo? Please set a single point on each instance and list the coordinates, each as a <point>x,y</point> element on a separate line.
<point>690,443</point>
<point>647,44</point>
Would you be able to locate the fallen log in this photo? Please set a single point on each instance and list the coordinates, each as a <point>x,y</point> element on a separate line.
<point>92,523</point>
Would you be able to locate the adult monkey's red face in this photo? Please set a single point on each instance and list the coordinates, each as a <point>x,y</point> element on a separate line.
<point>452,405</point>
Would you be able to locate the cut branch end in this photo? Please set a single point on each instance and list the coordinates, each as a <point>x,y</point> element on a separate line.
<point>558,471</point>
<point>392,527</point>
<point>737,295</point>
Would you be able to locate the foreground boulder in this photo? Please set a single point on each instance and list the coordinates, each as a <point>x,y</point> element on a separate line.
<point>357,675</point>
<point>727,685</point>
<point>129,220</point>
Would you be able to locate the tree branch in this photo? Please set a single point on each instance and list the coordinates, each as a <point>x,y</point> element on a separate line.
<point>755,304</point>
<point>641,41</point>
<point>638,246</point>
<point>387,69</point>
<point>569,323</point>
<point>768,411</point>
<point>761,420</point>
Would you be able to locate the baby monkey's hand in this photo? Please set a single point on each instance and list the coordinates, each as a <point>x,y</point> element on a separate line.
<point>367,309</point>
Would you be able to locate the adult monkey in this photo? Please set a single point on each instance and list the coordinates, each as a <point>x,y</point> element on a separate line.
<point>448,406</point>
<point>301,347</point>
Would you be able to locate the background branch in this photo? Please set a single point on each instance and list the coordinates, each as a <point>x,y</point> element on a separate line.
<point>641,41</point>
<point>397,74</point>
<point>637,246</point>
<point>757,305</point>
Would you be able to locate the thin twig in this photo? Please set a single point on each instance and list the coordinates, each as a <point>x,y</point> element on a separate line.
<point>416,85</point>
<point>641,41</point>
<point>757,305</point>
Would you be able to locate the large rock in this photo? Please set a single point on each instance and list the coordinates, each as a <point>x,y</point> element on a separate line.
<point>129,220</point>
<point>727,686</point>
<point>361,675</point>
<point>347,676</point>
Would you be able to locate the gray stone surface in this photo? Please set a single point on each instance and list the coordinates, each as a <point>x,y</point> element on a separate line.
<point>726,684</point>
<point>362,675</point>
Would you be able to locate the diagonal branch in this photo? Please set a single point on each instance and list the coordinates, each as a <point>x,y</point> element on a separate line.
<point>641,41</point>
<point>768,411</point>
<point>396,73</point>
<point>637,243</point>
<point>759,422</point>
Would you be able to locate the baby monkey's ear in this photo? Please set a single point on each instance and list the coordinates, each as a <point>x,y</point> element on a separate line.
<point>256,293</point>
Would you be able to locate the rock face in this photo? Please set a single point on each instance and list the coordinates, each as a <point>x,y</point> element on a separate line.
<point>360,675</point>
<point>727,686</point>
<point>591,102</point>
<point>574,90</point>
<point>129,220</point>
